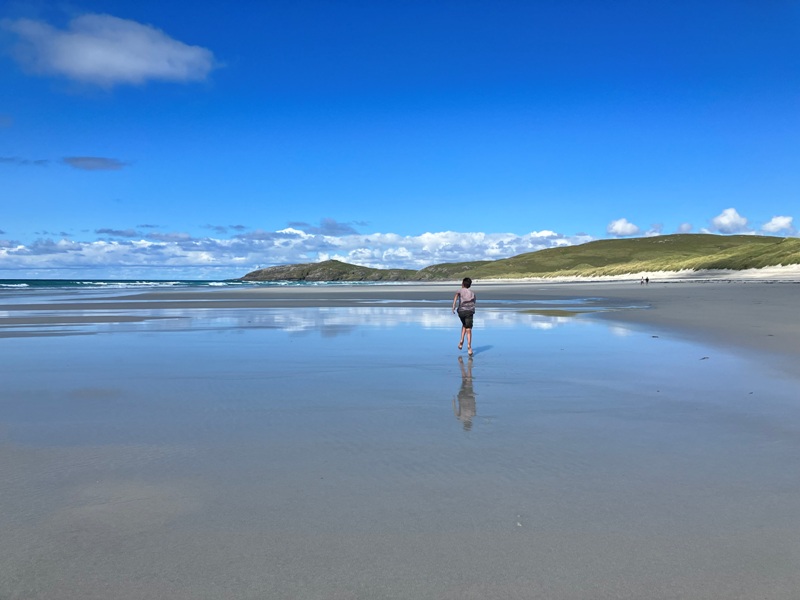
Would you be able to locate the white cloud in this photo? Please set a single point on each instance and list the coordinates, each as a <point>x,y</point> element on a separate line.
<point>157,253</point>
<point>685,228</point>
<point>655,230</point>
<point>777,224</point>
<point>622,228</point>
<point>730,221</point>
<point>107,51</point>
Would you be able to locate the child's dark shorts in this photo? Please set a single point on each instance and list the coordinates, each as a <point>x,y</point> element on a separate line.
<point>466,318</point>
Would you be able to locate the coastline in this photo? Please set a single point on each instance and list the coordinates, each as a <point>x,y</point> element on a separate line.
<point>742,311</point>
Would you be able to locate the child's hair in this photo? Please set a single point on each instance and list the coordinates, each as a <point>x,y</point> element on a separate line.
<point>466,282</point>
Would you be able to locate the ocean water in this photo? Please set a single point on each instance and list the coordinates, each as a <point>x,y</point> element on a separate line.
<point>21,291</point>
<point>135,284</point>
<point>328,452</point>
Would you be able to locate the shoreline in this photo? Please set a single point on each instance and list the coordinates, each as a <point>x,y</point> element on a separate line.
<point>752,314</point>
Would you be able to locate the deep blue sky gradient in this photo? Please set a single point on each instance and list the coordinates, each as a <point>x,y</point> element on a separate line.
<point>414,117</point>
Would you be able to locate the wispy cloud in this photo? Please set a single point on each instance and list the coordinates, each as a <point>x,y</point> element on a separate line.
<point>94,163</point>
<point>622,228</point>
<point>327,226</point>
<point>23,162</point>
<point>169,237</point>
<point>106,51</point>
<point>125,233</point>
<point>62,234</point>
<point>685,228</point>
<point>223,229</point>
<point>84,163</point>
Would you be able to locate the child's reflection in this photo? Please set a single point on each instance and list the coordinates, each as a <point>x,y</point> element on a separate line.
<point>464,402</point>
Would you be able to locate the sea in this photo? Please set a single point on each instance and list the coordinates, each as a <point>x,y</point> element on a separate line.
<point>100,284</point>
<point>16,291</point>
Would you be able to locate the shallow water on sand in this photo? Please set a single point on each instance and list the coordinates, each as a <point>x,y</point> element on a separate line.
<point>355,453</point>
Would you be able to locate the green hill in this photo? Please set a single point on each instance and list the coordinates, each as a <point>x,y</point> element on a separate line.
<point>329,270</point>
<point>619,257</point>
<point>603,257</point>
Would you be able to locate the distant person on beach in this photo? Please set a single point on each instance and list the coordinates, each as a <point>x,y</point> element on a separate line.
<point>464,302</point>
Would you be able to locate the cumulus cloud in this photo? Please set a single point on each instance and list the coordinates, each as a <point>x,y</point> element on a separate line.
<point>685,228</point>
<point>251,250</point>
<point>729,221</point>
<point>94,163</point>
<point>622,228</point>
<point>777,224</point>
<point>105,50</point>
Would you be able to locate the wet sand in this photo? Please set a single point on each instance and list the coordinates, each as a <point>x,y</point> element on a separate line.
<point>753,315</point>
<point>333,443</point>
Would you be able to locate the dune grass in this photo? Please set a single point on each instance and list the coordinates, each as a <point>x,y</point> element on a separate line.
<point>677,252</point>
<point>640,255</point>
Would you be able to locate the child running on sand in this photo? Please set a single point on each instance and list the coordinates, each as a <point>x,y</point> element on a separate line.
<point>465,302</point>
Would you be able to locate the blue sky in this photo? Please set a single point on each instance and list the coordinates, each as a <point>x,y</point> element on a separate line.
<point>206,139</point>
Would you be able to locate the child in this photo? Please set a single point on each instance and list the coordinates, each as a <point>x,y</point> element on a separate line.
<point>465,302</point>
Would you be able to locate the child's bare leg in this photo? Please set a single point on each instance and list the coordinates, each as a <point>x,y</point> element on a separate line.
<point>461,342</point>
<point>469,341</point>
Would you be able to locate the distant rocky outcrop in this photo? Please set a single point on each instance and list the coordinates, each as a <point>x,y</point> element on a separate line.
<point>329,270</point>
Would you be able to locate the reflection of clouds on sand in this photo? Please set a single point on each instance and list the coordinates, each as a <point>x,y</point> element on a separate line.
<point>619,330</point>
<point>328,321</point>
<point>464,405</point>
<point>337,320</point>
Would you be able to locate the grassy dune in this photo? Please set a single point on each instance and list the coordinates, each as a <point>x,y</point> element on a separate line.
<point>619,257</point>
<point>604,257</point>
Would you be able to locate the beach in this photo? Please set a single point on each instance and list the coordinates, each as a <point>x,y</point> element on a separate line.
<point>608,440</point>
<point>738,312</point>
